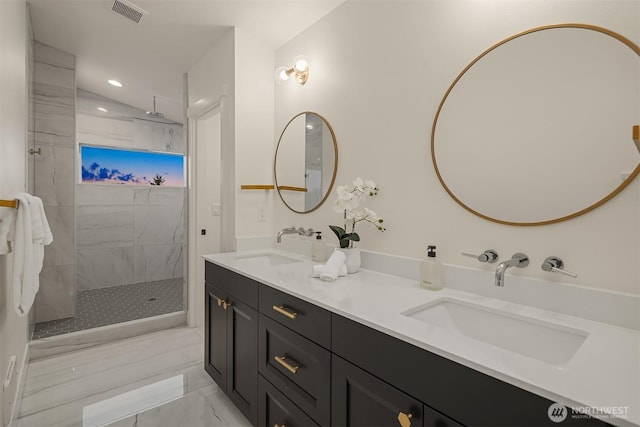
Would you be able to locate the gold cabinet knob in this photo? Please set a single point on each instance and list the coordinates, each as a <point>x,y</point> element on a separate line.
<point>226,304</point>
<point>404,419</point>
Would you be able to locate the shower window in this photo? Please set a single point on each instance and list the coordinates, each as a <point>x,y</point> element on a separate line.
<point>101,165</point>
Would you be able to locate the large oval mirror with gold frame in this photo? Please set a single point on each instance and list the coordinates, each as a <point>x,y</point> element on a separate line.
<point>306,162</point>
<point>538,128</point>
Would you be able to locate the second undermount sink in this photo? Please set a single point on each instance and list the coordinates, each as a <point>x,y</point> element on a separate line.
<point>269,259</point>
<point>538,339</point>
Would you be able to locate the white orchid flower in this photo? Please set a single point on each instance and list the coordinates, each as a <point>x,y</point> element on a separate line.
<point>371,215</point>
<point>358,183</point>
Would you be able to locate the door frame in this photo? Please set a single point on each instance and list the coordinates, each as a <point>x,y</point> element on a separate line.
<point>194,114</point>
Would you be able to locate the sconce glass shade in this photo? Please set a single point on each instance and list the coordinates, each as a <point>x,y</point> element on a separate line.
<point>281,74</point>
<point>301,64</point>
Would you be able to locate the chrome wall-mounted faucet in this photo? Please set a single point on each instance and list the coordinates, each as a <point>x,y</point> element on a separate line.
<point>293,230</point>
<point>555,264</point>
<point>519,260</point>
<point>489,256</point>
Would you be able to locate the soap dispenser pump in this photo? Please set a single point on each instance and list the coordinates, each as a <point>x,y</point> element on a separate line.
<point>431,271</point>
<point>318,248</point>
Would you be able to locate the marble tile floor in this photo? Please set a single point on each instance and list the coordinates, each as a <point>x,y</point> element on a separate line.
<point>107,306</point>
<point>151,380</point>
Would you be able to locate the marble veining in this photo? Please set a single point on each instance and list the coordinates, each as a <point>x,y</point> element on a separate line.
<point>52,56</point>
<point>104,226</point>
<point>54,75</point>
<point>158,225</point>
<point>158,136</point>
<point>104,131</point>
<point>62,222</point>
<point>128,234</point>
<point>100,195</point>
<point>104,267</point>
<point>159,196</point>
<point>58,389</point>
<point>55,175</point>
<point>56,297</point>
<point>158,262</point>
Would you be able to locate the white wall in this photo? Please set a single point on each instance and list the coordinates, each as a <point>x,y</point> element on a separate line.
<point>13,137</point>
<point>254,127</point>
<point>378,72</point>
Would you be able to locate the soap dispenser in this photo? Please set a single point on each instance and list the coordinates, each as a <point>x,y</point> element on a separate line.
<point>431,271</point>
<point>318,248</point>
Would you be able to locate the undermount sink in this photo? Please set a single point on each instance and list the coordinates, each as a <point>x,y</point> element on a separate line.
<point>269,259</point>
<point>538,339</point>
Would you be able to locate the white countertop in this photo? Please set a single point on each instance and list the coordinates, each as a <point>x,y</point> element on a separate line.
<point>604,373</point>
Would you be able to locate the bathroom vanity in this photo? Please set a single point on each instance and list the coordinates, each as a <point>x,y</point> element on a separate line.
<point>290,350</point>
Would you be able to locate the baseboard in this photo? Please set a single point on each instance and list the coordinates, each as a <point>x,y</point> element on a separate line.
<point>60,344</point>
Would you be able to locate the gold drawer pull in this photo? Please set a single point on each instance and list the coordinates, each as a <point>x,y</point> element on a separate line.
<point>220,302</point>
<point>280,309</point>
<point>281,360</point>
<point>279,425</point>
<point>404,419</point>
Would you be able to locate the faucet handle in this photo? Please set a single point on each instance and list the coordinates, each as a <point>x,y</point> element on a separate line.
<point>308,232</point>
<point>555,264</point>
<point>489,256</point>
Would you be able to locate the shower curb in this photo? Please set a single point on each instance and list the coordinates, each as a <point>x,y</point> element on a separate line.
<point>67,343</point>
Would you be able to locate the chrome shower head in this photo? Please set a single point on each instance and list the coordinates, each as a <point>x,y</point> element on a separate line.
<point>154,113</point>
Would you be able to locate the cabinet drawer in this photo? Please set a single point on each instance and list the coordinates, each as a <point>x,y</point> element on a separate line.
<point>241,287</point>
<point>298,367</point>
<point>305,318</point>
<point>276,410</point>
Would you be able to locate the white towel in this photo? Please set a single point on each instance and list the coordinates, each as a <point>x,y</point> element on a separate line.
<point>319,269</point>
<point>334,264</point>
<point>7,221</point>
<point>28,250</point>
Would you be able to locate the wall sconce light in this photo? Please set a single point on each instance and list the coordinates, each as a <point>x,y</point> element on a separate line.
<point>300,71</point>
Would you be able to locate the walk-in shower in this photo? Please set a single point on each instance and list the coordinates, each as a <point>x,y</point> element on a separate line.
<point>119,251</point>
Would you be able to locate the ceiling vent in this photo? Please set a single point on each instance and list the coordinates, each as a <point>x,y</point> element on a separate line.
<point>129,10</point>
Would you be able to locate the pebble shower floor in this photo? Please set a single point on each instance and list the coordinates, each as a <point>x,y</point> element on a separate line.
<point>117,304</point>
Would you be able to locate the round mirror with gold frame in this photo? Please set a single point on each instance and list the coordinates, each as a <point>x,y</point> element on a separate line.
<point>538,128</point>
<point>306,162</point>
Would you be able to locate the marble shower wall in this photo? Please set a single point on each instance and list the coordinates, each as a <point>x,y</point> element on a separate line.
<point>53,176</point>
<point>127,234</point>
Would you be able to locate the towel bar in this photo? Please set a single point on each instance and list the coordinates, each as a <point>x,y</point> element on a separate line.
<point>9,203</point>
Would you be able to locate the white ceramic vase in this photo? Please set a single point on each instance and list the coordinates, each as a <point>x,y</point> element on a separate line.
<point>352,259</point>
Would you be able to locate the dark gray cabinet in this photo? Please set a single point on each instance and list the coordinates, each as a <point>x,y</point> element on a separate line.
<point>231,342</point>
<point>452,393</point>
<point>275,409</point>
<point>298,367</point>
<point>286,362</point>
<point>215,339</point>
<point>362,400</point>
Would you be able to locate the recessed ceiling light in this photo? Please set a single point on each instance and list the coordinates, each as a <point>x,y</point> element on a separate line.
<point>104,110</point>
<point>115,83</point>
